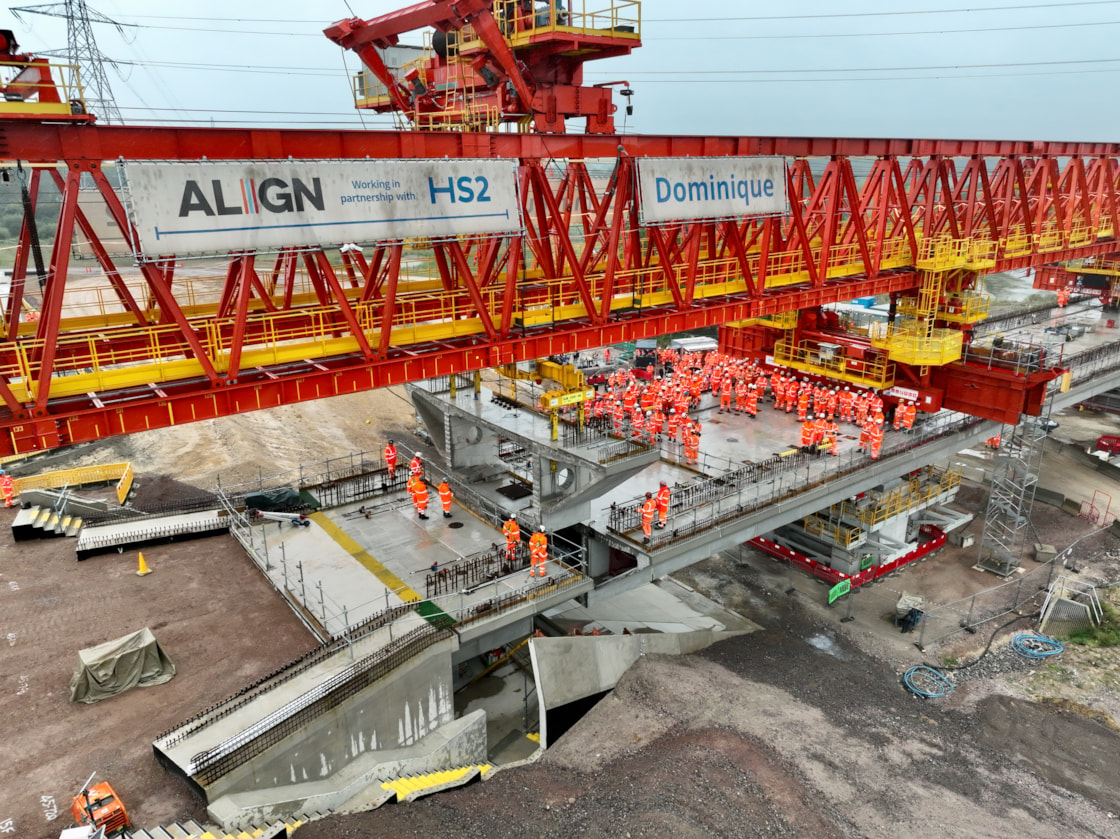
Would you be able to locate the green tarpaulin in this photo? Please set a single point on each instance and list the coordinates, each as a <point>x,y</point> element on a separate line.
<point>135,660</point>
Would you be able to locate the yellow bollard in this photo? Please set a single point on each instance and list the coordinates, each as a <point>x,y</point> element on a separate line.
<point>143,570</point>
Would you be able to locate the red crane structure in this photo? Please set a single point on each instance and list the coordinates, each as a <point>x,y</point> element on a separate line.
<point>167,337</point>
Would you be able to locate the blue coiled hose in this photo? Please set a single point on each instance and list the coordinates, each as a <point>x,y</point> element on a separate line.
<point>926,682</point>
<point>1032,645</point>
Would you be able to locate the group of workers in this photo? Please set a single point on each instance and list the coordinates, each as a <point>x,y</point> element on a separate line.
<point>416,486</point>
<point>655,504</point>
<point>538,546</point>
<point>418,490</point>
<point>657,408</point>
<point>820,433</point>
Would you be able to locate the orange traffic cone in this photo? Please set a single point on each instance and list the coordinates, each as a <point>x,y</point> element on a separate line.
<point>143,570</point>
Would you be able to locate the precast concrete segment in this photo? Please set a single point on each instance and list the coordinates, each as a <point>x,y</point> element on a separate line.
<point>568,669</point>
<point>387,577</point>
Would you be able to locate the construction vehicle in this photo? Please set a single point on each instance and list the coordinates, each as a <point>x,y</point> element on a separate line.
<point>98,807</point>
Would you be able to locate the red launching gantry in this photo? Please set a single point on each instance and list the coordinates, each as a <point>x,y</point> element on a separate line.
<point>144,340</point>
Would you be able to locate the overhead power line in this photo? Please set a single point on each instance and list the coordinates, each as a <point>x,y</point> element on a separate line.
<point>646,19</point>
<point>83,52</point>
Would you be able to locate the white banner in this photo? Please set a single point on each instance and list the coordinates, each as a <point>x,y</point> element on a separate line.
<point>686,188</point>
<point>902,393</point>
<point>203,207</point>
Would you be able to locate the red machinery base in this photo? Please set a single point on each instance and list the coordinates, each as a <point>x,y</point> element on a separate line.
<point>822,571</point>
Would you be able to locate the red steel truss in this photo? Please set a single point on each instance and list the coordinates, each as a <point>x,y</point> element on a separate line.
<point>868,216</point>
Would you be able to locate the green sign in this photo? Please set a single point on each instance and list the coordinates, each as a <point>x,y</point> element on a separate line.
<point>838,591</point>
<point>865,561</point>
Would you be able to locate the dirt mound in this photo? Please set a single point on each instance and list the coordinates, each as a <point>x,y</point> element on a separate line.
<point>769,734</point>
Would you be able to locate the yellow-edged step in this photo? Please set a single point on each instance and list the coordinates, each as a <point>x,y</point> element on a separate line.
<point>413,786</point>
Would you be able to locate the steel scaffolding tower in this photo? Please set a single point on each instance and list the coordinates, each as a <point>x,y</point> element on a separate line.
<point>1014,483</point>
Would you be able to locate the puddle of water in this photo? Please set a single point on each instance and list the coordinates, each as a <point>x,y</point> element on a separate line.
<point>826,645</point>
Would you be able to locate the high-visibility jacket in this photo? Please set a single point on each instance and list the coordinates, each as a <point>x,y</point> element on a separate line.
<point>511,531</point>
<point>909,414</point>
<point>420,496</point>
<point>538,545</point>
<point>808,432</point>
<point>445,496</point>
<point>662,498</point>
<point>647,510</point>
<point>391,456</point>
<point>415,467</point>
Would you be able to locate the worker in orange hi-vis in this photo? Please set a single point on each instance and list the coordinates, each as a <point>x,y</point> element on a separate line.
<point>445,496</point>
<point>1063,297</point>
<point>725,395</point>
<point>899,410</point>
<point>876,441</point>
<point>909,415</point>
<point>673,423</point>
<point>420,498</point>
<point>803,404</point>
<point>778,391</point>
<point>691,446</point>
<point>647,510</point>
<point>391,458</point>
<point>864,436</point>
<point>663,498</point>
<point>512,532</point>
<point>808,433</point>
<point>416,467</point>
<point>750,405</point>
<point>538,553</point>
<point>844,400</point>
<point>7,485</point>
<point>831,437</point>
<point>741,395</point>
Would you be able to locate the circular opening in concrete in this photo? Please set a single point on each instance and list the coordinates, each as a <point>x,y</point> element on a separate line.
<point>455,525</point>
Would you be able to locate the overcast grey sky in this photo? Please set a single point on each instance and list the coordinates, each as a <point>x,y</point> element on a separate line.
<point>859,68</point>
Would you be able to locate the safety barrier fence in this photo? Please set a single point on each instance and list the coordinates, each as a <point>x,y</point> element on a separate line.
<point>710,501</point>
<point>119,474</point>
<point>282,675</point>
<point>1030,315</point>
<point>143,534</point>
<point>1021,596</point>
<point>206,767</point>
<point>1024,596</point>
<point>1088,363</point>
<point>483,567</point>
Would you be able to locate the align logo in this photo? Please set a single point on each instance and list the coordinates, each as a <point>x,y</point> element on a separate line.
<point>248,197</point>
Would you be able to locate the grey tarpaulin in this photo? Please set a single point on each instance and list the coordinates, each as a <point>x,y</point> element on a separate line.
<point>115,666</point>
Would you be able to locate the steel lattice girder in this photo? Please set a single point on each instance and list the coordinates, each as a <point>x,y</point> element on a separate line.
<point>583,274</point>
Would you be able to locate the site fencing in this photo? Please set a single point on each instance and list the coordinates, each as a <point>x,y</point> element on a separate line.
<point>985,609</point>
